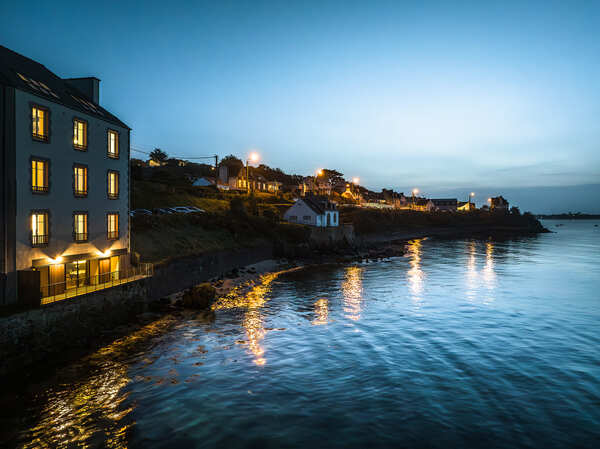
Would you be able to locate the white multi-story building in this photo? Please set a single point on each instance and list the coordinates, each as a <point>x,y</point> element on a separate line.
<point>64,186</point>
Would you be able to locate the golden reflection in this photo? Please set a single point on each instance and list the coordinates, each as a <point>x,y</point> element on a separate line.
<point>321,311</point>
<point>352,291</point>
<point>77,414</point>
<point>255,332</point>
<point>416,276</point>
<point>471,271</point>
<point>251,297</point>
<point>489,274</point>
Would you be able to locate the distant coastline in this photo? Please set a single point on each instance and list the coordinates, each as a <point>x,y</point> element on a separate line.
<point>568,216</point>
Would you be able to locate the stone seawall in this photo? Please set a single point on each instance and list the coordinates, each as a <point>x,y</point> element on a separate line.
<point>333,236</point>
<point>34,336</point>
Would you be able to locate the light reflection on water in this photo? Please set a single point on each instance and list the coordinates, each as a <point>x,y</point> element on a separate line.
<point>502,353</point>
<point>353,292</point>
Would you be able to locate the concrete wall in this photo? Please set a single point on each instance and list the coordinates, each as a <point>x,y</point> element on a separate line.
<point>29,337</point>
<point>60,200</point>
<point>186,272</point>
<point>332,236</point>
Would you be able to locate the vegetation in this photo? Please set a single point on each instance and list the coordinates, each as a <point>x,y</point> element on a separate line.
<point>158,155</point>
<point>368,221</point>
<point>160,238</point>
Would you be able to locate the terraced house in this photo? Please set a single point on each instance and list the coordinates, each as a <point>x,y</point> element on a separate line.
<point>64,211</point>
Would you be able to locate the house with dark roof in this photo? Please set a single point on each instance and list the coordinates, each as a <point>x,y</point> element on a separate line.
<point>445,204</point>
<point>64,187</point>
<point>313,211</point>
<point>498,204</point>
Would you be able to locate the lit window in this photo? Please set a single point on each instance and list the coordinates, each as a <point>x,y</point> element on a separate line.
<point>113,144</point>
<point>112,221</point>
<point>39,228</point>
<point>80,229</point>
<point>39,122</point>
<point>113,184</point>
<point>80,180</point>
<point>79,134</point>
<point>39,175</point>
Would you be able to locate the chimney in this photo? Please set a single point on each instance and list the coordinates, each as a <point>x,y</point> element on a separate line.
<point>89,86</point>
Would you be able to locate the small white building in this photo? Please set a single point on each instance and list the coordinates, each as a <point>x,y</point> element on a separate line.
<point>313,211</point>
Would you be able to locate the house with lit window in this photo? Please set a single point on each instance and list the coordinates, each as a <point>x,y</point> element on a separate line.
<point>64,186</point>
<point>445,204</point>
<point>313,211</point>
<point>498,204</point>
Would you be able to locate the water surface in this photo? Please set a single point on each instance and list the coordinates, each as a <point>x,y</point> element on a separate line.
<point>463,343</point>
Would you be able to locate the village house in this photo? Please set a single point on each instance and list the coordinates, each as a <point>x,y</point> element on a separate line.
<point>465,206</point>
<point>498,204</point>
<point>255,182</point>
<point>64,186</point>
<point>313,211</point>
<point>445,204</point>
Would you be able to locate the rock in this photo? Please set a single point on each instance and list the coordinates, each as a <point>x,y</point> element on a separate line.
<point>199,296</point>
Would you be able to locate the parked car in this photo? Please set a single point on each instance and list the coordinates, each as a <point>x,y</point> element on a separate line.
<point>181,210</point>
<point>137,212</point>
<point>162,211</point>
<point>195,209</point>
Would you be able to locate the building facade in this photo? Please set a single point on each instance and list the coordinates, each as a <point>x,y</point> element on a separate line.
<point>313,211</point>
<point>65,182</point>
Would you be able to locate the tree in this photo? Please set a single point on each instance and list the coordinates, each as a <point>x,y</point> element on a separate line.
<point>332,176</point>
<point>158,155</point>
<point>233,164</point>
<point>515,210</point>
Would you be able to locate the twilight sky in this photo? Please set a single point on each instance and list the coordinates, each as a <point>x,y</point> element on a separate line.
<point>445,96</point>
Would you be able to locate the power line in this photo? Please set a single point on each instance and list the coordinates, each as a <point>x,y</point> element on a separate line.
<point>177,157</point>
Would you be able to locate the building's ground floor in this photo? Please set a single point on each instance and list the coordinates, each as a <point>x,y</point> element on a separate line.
<point>76,274</point>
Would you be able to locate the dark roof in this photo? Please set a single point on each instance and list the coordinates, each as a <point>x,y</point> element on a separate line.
<point>444,201</point>
<point>27,75</point>
<point>318,204</point>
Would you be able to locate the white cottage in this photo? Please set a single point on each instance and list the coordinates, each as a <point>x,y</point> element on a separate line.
<point>313,211</point>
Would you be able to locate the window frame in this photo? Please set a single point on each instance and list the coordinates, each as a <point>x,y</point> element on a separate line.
<point>46,161</point>
<point>34,136</point>
<point>79,147</point>
<point>46,241</point>
<point>109,195</point>
<point>79,194</point>
<point>110,155</point>
<point>113,235</point>
<point>87,221</point>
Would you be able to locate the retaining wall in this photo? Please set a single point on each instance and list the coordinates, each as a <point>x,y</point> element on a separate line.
<point>28,338</point>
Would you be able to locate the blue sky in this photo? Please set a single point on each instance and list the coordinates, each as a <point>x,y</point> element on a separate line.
<point>445,96</point>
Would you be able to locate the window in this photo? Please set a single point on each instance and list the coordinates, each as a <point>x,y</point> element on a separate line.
<point>37,86</point>
<point>306,218</point>
<point>39,123</point>
<point>113,144</point>
<point>293,218</point>
<point>80,226</point>
<point>112,222</point>
<point>79,134</point>
<point>39,175</point>
<point>39,228</point>
<point>113,184</point>
<point>80,179</point>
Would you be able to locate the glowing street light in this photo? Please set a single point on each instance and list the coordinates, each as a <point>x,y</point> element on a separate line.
<point>355,181</point>
<point>254,158</point>
<point>414,192</point>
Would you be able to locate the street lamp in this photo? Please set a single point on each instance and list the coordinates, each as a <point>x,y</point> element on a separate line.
<point>252,157</point>
<point>355,181</point>
<point>414,192</point>
<point>471,195</point>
